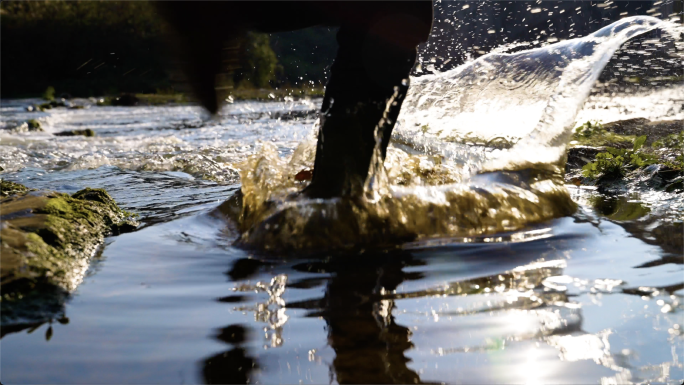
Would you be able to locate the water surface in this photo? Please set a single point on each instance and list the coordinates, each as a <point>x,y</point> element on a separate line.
<point>590,297</point>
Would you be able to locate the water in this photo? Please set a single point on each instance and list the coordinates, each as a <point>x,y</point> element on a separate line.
<point>537,292</point>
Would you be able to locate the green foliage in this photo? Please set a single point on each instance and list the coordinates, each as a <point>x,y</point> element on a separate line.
<point>605,164</point>
<point>258,61</point>
<point>616,163</point>
<point>49,94</point>
<point>675,141</point>
<point>8,188</point>
<point>96,48</point>
<point>588,129</point>
<point>639,142</point>
<point>593,134</point>
<point>83,48</point>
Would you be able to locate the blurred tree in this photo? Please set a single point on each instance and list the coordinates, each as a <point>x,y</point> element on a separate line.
<point>93,48</point>
<point>80,47</point>
<point>258,62</point>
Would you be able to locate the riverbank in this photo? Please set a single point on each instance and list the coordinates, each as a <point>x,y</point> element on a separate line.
<point>623,154</point>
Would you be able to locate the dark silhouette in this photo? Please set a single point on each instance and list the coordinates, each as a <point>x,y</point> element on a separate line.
<point>369,345</point>
<point>368,81</point>
<point>232,366</point>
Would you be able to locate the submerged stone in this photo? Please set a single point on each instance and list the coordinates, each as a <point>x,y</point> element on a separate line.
<point>48,239</point>
<point>87,132</point>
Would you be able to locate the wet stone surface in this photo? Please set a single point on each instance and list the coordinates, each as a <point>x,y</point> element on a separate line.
<point>48,240</point>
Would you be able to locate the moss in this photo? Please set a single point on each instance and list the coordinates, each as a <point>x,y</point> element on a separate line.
<point>87,132</point>
<point>48,239</point>
<point>50,105</point>
<point>8,188</point>
<point>161,99</point>
<point>673,141</point>
<point>616,163</point>
<point>595,135</point>
<point>34,125</point>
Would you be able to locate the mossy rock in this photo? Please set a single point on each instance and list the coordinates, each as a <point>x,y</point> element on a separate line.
<point>8,188</point>
<point>594,134</point>
<point>34,125</point>
<point>48,240</point>
<point>87,132</point>
<point>50,105</point>
<point>654,130</point>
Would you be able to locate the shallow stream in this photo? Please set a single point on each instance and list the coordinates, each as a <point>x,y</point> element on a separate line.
<point>557,284</point>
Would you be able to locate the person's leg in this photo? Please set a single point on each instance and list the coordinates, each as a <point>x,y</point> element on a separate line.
<point>376,54</point>
<point>207,35</point>
<point>377,49</point>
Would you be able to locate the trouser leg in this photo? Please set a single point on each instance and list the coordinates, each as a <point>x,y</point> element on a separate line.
<point>371,69</point>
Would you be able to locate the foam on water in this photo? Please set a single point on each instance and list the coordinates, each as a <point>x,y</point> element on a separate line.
<point>175,138</point>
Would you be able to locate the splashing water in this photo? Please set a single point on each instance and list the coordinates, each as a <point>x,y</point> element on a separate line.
<point>518,108</point>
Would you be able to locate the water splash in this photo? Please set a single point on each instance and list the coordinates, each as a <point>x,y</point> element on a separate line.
<point>502,98</point>
<point>519,108</point>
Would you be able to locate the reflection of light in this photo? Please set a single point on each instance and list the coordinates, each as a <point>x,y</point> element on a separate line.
<point>530,369</point>
<point>582,347</point>
<point>522,322</point>
<point>558,264</point>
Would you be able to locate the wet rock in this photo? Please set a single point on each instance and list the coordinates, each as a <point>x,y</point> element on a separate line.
<point>48,239</point>
<point>86,132</point>
<point>52,104</point>
<point>578,156</point>
<point>639,126</point>
<point>658,176</point>
<point>626,127</point>
<point>126,100</point>
<point>8,188</point>
<point>34,125</point>
<point>31,125</point>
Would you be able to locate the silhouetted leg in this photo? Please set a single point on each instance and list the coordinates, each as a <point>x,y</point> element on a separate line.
<point>373,63</point>
<point>377,49</point>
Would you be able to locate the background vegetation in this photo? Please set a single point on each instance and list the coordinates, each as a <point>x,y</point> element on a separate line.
<point>95,48</point>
